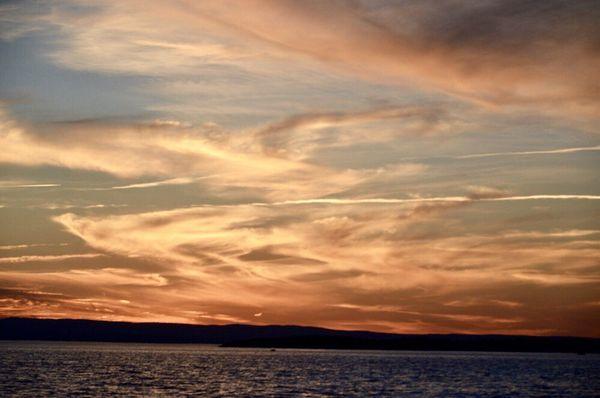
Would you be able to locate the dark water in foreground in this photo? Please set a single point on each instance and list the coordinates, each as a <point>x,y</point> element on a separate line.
<point>35,369</point>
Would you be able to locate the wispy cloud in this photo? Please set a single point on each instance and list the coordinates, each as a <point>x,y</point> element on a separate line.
<point>459,199</point>
<point>149,149</point>
<point>65,206</point>
<point>29,245</point>
<point>442,47</point>
<point>299,135</point>
<point>523,153</point>
<point>24,259</point>
<point>267,158</point>
<point>339,251</point>
<point>547,197</point>
<point>425,43</point>
<point>171,181</point>
<point>13,184</point>
<point>315,121</point>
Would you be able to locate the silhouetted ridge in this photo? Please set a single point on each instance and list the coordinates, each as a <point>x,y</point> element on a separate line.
<point>280,336</point>
<point>431,342</point>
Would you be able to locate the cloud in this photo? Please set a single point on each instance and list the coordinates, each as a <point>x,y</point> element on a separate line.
<point>65,206</point>
<point>575,233</point>
<point>286,227</point>
<point>241,259</point>
<point>483,192</point>
<point>547,197</point>
<point>498,52</point>
<point>15,184</point>
<point>335,201</point>
<point>225,163</point>
<point>171,181</point>
<point>147,149</point>
<point>478,196</point>
<point>99,294</point>
<point>117,37</point>
<point>524,153</point>
<point>325,120</point>
<point>17,21</point>
<point>122,150</point>
<point>25,246</point>
<point>24,259</point>
<point>300,136</point>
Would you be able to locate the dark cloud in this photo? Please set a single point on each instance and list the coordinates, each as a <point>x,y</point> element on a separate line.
<point>271,255</point>
<point>534,53</point>
<point>330,275</point>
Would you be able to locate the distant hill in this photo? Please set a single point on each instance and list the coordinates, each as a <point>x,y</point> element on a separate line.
<point>278,336</point>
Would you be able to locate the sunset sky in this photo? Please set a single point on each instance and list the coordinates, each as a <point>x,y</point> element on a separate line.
<point>399,166</point>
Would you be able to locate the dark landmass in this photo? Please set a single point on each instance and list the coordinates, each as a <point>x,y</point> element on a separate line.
<point>432,342</point>
<point>281,337</point>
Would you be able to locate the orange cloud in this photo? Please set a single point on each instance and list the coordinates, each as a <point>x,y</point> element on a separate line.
<point>292,236</point>
<point>186,154</point>
<point>246,259</point>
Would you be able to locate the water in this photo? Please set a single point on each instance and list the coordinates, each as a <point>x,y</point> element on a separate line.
<point>37,369</point>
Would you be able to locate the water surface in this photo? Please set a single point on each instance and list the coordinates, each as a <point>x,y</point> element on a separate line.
<point>29,369</point>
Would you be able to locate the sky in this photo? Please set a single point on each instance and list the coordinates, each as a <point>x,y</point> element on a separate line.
<point>398,166</point>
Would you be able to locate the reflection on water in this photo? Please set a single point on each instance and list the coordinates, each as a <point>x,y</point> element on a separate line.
<point>99,369</point>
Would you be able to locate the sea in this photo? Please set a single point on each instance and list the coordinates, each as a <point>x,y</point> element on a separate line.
<point>84,369</point>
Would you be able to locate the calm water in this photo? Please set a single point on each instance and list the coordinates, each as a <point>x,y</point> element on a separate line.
<point>33,369</point>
